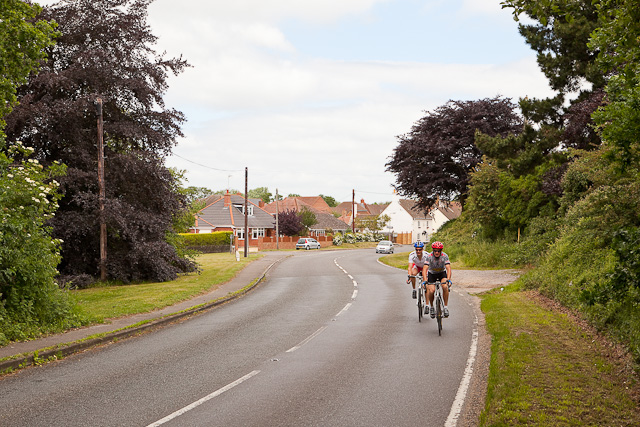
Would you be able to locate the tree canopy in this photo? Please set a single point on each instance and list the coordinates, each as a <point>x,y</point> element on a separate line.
<point>433,160</point>
<point>105,51</point>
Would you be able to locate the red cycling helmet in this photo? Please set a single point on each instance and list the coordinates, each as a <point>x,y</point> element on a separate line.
<point>437,245</point>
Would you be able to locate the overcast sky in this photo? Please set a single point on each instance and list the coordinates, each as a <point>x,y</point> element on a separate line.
<point>310,95</point>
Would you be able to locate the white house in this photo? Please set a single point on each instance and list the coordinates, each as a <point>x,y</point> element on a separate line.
<point>409,223</point>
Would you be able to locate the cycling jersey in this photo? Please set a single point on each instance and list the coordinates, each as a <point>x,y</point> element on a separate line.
<point>417,261</point>
<point>437,265</point>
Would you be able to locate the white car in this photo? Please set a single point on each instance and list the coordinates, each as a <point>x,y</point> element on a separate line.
<point>307,243</point>
<point>384,247</point>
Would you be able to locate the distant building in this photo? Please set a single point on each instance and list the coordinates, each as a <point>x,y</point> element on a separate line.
<point>409,223</point>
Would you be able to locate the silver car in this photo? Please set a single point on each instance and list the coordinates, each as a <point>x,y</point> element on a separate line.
<point>307,243</point>
<point>384,247</point>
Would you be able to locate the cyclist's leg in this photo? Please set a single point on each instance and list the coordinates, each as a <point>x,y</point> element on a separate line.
<point>413,270</point>
<point>445,296</point>
<point>445,291</point>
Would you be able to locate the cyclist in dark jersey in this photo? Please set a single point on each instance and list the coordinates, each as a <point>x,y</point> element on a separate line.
<point>438,268</point>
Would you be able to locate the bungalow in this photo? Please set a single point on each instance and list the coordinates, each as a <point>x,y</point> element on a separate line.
<point>226,213</point>
<point>325,220</point>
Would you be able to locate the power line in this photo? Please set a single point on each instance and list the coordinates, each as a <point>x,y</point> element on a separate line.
<point>204,166</point>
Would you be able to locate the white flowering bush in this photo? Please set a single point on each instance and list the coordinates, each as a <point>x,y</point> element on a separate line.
<point>350,237</point>
<point>30,300</point>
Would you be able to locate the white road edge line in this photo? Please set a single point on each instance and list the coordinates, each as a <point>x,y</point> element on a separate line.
<point>456,408</point>
<point>204,399</point>
<point>306,340</point>
<point>355,294</point>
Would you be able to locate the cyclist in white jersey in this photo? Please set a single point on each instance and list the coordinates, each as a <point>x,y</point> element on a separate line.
<point>438,268</point>
<point>417,263</point>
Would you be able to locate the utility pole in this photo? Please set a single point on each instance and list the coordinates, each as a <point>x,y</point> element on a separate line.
<point>246,212</point>
<point>277,228</point>
<point>353,211</point>
<point>102,193</point>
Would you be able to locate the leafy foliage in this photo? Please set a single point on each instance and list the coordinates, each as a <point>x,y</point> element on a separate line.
<point>307,217</point>
<point>330,201</point>
<point>30,300</point>
<point>261,193</point>
<point>433,160</point>
<point>22,43</point>
<point>104,51</point>
<point>290,223</point>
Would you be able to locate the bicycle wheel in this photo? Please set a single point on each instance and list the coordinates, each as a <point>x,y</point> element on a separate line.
<point>419,304</point>
<point>439,314</point>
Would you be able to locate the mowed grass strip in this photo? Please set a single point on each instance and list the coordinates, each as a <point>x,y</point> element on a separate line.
<point>110,301</point>
<point>547,371</point>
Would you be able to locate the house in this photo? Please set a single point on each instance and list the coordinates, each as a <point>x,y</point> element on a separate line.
<point>362,209</point>
<point>324,217</point>
<point>226,213</point>
<point>409,223</point>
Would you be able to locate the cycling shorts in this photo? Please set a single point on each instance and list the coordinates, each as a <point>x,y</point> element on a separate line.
<point>432,277</point>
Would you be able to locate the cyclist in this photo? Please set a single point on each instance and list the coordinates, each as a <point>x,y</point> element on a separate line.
<point>417,263</point>
<point>438,268</point>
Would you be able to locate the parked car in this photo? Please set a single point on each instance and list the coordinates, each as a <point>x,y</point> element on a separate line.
<point>384,247</point>
<point>307,243</point>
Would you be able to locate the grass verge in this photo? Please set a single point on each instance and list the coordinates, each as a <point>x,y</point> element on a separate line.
<point>546,369</point>
<point>115,301</point>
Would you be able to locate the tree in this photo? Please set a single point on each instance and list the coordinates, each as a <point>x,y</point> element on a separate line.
<point>330,201</point>
<point>22,45</point>
<point>307,217</point>
<point>195,193</point>
<point>619,57</point>
<point>433,160</point>
<point>290,223</point>
<point>260,193</point>
<point>105,52</point>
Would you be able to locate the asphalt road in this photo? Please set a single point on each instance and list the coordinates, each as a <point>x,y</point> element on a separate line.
<point>331,338</point>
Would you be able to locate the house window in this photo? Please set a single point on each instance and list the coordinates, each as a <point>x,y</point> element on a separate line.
<point>240,233</point>
<point>257,232</point>
<point>241,209</point>
<point>418,224</point>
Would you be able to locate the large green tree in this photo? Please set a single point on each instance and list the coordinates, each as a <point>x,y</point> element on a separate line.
<point>105,51</point>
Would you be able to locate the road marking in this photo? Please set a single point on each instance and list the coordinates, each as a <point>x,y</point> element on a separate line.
<point>204,399</point>
<point>456,408</point>
<point>346,307</point>
<point>355,294</point>
<point>306,340</point>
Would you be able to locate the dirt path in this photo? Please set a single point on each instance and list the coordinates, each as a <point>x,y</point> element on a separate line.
<point>476,281</point>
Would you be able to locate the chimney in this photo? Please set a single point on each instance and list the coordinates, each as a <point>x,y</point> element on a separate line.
<point>261,204</point>
<point>227,199</point>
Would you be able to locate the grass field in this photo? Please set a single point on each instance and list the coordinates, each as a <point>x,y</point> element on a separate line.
<point>110,301</point>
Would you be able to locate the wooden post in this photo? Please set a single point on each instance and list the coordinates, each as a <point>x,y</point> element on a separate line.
<point>102,193</point>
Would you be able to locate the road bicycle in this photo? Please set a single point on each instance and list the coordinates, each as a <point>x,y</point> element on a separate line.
<point>421,295</point>
<point>438,302</point>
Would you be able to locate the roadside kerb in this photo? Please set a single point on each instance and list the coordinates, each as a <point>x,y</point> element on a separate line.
<point>64,349</point>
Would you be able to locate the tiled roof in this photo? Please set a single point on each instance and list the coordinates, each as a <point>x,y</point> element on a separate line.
<point>327,220</point>
<point>413,209</point>
<point>218,215</point>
